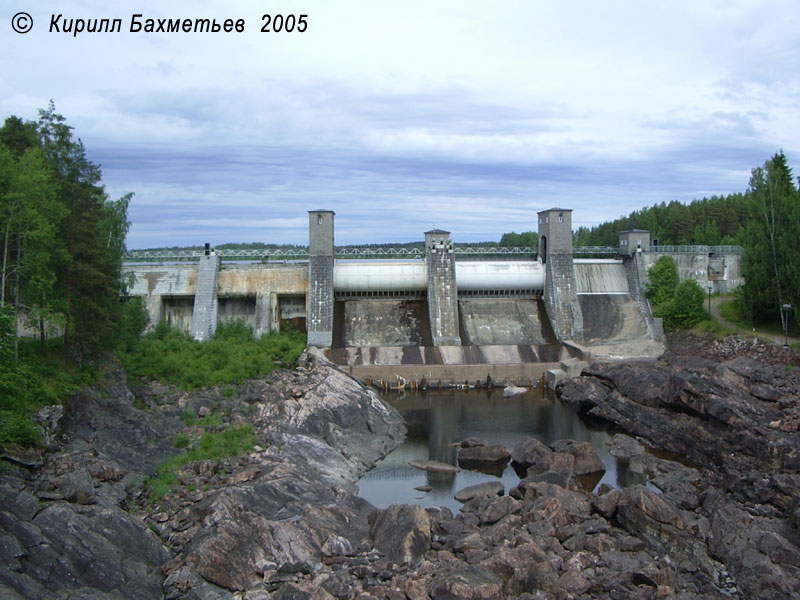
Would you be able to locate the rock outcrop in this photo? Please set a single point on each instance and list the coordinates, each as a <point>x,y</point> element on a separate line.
<point>718,518</point>
<point>734,422</point>
<point>76,522</point>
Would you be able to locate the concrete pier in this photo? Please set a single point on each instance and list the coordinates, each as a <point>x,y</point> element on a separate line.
<point>204,315</point>
<point>319,308</point>
<point>561,288</point>
<point>442,294</point>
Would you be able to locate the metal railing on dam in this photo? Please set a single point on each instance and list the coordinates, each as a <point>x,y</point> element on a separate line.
<point>698,249</point>
<point>300,253</point>
<point>349,252</point>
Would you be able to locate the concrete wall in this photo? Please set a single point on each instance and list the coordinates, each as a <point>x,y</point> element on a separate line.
<point>252,279</point>
<point>726,268</point>
<point>504,321</point>
<point>237,308</point>
<point>176,311</point>
<point>384,322</point>
<point>516,374</point>
<point>449,355</point>
<point>154,282</point>
<point>253,292</point>
<point>611,317</point>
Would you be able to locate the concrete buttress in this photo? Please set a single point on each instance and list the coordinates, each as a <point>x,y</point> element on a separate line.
<point>204,315</point>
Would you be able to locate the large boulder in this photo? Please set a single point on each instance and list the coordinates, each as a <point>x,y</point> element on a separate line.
<point>483,455</point>
<point>650,517</point>
<point>401,532</point>
<point>77,486</point>
<point>529,451</point>
<point>586,459</point>
<point>479,490</point>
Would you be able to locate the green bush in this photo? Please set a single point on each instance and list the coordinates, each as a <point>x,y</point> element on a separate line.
<point>662,280</point>
<point>685,309</point>
<point>30,381</point>
<point>132,323</point>
<point>230,356</point>
<point>212,420</point>
<point>17,427</point>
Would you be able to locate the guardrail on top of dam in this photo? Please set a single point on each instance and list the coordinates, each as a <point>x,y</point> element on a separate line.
<point>384,252</point>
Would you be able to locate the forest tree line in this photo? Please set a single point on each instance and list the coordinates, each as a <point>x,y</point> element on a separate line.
<point>764,220</point>
<point>62,239</point>
<point>715,221</point>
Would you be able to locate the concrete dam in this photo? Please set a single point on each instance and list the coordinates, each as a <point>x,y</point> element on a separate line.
<point>434,318</point>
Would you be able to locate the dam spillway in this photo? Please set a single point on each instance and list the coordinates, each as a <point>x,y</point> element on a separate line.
<point>601,276</point>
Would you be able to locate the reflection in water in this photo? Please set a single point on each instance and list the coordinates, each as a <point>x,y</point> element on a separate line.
<point>437,421</point>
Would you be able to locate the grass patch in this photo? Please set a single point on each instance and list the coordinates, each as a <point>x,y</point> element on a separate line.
<point>715,328</point>
<point>188,417</point>
<point>730,312</point>
<point>233,441</point>
<point>231,356</point>
<point>211,421</point>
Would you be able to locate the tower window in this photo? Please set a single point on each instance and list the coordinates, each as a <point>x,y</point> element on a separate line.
<point>319,219</point>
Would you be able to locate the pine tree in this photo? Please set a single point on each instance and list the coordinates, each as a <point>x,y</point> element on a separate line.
<point>771,265</point>
<point>93,231</point>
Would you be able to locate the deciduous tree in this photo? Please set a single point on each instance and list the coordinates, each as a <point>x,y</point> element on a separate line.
<point>662,279</point>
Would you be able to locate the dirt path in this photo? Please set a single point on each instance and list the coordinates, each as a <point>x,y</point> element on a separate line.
<point>715,303</point>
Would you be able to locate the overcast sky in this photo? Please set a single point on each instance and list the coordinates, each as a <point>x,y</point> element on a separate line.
<point>401,116</point>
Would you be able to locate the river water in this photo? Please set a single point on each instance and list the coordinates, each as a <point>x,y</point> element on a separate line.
<point>438,420</point>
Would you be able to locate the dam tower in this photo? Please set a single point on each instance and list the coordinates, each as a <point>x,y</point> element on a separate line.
<point>560,289</point>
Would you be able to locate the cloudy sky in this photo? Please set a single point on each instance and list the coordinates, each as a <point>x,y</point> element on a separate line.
<point>400,116</point>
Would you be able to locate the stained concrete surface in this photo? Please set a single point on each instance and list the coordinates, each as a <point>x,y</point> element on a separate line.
<point>381,322</point>
<point>504,321</point>
<point>615,329</point>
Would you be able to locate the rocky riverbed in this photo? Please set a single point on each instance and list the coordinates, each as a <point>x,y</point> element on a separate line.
<point>713,425</point>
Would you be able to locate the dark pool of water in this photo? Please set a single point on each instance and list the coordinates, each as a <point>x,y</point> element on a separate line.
<point>436,421</point>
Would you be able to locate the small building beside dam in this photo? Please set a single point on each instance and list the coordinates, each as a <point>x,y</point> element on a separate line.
<point>437,314</point>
